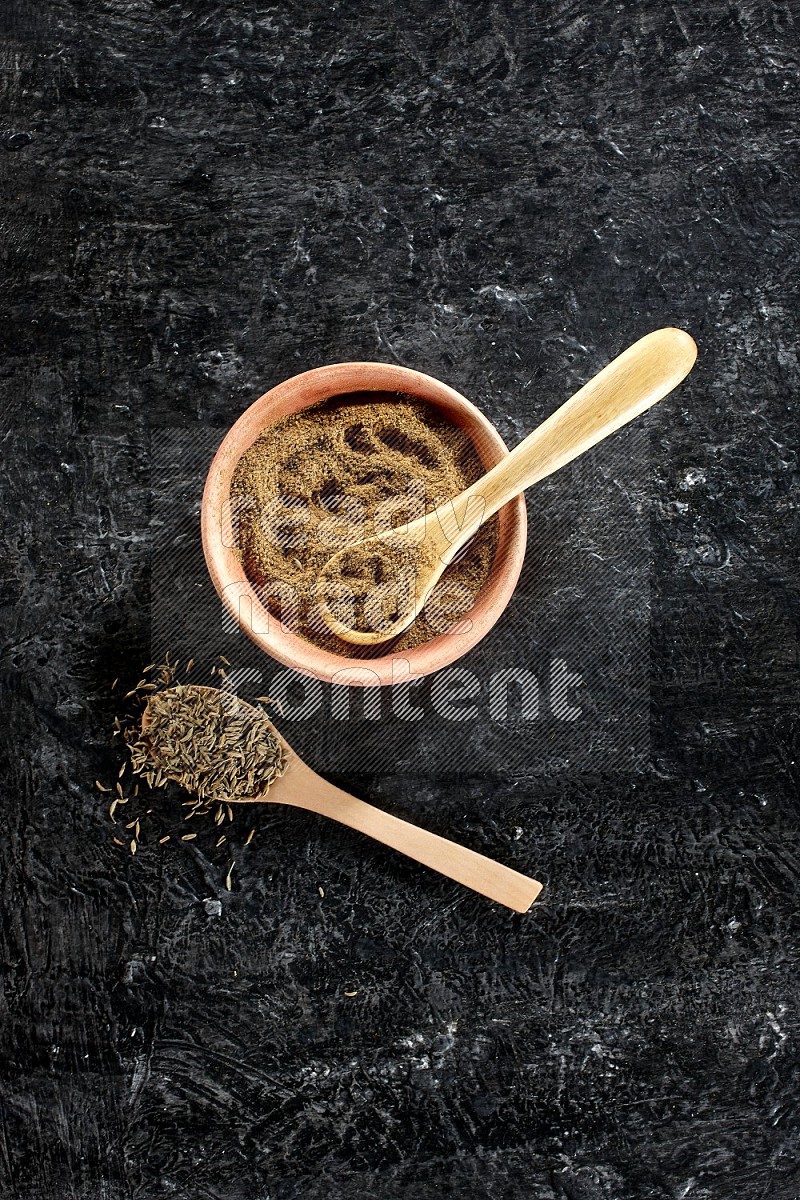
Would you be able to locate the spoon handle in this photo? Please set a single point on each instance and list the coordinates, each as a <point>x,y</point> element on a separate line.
<point>303,788</point>
<point>643,374</point>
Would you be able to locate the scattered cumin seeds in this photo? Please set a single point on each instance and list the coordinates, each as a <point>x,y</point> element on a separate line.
<point>205,739</point>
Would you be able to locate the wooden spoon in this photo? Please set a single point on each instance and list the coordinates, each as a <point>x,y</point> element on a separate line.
<point>301,787</point>
<point>412,558</point>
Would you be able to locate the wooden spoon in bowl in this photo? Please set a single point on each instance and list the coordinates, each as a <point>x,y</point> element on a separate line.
<point>301,787</point>
<point>391,575</point>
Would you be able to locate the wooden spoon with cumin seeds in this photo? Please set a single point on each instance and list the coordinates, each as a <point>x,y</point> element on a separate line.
<point>301,787</point>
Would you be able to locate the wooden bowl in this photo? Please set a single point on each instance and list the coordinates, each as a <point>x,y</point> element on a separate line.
<point>238,595</point>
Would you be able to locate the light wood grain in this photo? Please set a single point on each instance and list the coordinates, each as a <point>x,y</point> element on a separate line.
<point>303,788</point>
<point>640,377</point>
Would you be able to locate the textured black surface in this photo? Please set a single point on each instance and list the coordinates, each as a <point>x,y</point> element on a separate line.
<point>202,199</point>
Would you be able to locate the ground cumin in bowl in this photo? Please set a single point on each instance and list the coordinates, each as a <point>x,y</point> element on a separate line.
<point>334,455</point>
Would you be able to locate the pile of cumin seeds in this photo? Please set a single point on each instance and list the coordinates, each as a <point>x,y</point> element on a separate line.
<point>146,803</point>
<point>208,742</point>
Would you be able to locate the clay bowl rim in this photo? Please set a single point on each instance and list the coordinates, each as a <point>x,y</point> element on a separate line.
<point>233,587</point>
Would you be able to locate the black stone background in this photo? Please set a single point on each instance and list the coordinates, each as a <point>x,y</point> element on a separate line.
<point>199,201</point>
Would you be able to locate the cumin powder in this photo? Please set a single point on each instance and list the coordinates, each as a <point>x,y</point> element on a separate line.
<point>341,471</point>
